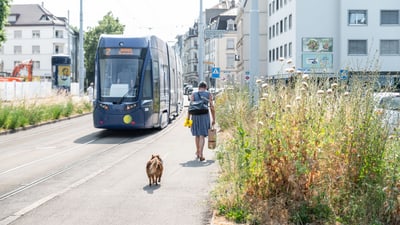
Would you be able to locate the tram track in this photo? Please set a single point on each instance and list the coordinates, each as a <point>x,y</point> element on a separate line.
<point>142,139</point>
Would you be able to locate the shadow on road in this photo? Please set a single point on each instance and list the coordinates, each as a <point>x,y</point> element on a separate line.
<point>197,163</point>
<point>115,135</point>
<point>151,189</point>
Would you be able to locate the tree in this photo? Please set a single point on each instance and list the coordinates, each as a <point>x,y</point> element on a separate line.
<point>109,25</point>
<point>4,9</point>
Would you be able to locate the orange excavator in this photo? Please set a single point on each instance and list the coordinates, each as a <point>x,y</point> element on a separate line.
<point>16,76</point>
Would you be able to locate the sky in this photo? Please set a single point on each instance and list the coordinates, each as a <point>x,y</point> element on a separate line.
<point>164,18</point>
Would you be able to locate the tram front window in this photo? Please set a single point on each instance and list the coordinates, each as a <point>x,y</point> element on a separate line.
<point>120,78</point>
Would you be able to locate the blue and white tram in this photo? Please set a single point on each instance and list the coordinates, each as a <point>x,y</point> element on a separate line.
<point>138,83</point>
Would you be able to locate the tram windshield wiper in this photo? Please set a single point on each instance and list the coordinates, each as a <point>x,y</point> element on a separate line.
<point>126,94</point>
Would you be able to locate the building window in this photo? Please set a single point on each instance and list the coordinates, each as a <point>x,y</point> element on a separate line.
<point>58,49</point>
<point>59,34</point>
<point>277,29</point>
<point>390,47</point>
<point>290,49</point>
<point>194,68</point>
<point>35,49</point>
<point>290,21</point>
<point>285,51</point>
<point>231,25</point>
<point>273,30</point>
<point>230,43</point>
<point>270,33</point>
<point>273,54</point>
<point>390,17</point>
<point>281,26</point>
<point>285,24</point>
<point>18,49</point>
<point>36,64</point>
<point>230,61</point>
<point>269,9</point>
<point>357,47</point>
<point>273,6</point>
<point>269,56</point>
<point>357,17</point>
<point>12,18</point>
<point>277,53</point>
<point>36,34</point>
<point>17,34</point>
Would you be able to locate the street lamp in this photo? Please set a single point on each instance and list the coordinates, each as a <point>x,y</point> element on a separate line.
<point>81,60</point>
<point>201,43</point>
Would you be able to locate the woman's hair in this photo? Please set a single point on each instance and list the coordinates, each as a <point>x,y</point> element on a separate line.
<point>203,84</point>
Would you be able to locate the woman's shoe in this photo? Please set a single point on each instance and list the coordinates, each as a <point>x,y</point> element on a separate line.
<point>202,159</point>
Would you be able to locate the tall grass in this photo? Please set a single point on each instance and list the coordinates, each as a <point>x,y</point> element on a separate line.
<point>22,114</point>
<point>311,152</point>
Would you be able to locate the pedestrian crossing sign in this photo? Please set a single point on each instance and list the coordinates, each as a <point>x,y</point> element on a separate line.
<point>215,72</point>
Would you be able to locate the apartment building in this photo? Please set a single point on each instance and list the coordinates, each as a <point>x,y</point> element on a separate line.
<point>333,37</point>
<point>35,33</point>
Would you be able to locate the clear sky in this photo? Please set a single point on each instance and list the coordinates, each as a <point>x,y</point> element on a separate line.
<point>164,18</point>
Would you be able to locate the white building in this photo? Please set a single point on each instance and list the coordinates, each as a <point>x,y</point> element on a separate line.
<point>243,41</point>
<point>35,33</point>
<point>330,36</point>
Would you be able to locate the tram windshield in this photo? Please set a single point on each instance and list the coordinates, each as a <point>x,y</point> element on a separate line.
<point>120,73</point>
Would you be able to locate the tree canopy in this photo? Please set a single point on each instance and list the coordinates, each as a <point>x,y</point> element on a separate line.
<point>4,10</point>
<point>109,25</point>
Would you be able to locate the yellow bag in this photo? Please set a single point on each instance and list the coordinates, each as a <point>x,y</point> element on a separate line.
<point>212,138</point>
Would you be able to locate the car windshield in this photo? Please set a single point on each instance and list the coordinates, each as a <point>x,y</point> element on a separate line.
<point>390,103</point>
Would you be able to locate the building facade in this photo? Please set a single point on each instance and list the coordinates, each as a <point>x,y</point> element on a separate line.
<point>349,37</point>
<point>34,33</point>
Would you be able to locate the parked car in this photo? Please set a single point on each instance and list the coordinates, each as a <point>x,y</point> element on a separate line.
<point>187,89</point>
<point>388,104</point>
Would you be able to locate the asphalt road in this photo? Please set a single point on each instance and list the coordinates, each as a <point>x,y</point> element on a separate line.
<point>71,173</point>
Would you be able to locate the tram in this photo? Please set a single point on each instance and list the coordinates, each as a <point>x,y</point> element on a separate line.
<point>138,83</point>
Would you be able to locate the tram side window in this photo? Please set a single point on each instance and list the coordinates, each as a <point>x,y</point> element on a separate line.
<point>147,83</point>
<point>156,82</point>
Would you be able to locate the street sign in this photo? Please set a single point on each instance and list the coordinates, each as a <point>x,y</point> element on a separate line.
<point>215,72</point>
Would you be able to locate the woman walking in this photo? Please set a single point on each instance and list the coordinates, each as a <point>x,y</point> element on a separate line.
<point>201,122</point>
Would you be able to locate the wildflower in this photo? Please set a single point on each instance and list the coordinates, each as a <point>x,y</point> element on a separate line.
<point>272,115</point>
<point>320,92</point>
<point>346,93</point>
<point>281,59</point>
<point>305,76</point>
<point>298,98</point>
<point>261,123</point>
<point>305,84</point>
<point>303,89</point>
<point>334,85</point>
<point>329,91</point>
<point>289,61</point>
<point>258,81</point>
<point>290,70</point>
<point>299,72</point>
<point>264,85</point>
<point>288,106</point>
<point>265,95</point>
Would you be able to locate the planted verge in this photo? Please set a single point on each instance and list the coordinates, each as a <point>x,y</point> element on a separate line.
<point>309,152</point>
<point>22,114</point>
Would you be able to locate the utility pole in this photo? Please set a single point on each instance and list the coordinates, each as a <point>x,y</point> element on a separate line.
<point>81,60</point>
<point>200,65</point>
<point>254,52</point>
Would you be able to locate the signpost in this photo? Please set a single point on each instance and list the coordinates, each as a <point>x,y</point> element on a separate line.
<point>216,71</point>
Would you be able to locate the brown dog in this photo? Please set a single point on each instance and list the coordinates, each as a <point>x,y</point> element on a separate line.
<point>154,169</point>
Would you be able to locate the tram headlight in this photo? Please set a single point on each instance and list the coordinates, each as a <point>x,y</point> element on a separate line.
<point>104,106</point>
<point>130,106</point>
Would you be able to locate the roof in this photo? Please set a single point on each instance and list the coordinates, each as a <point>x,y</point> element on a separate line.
<point>33,15</point>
